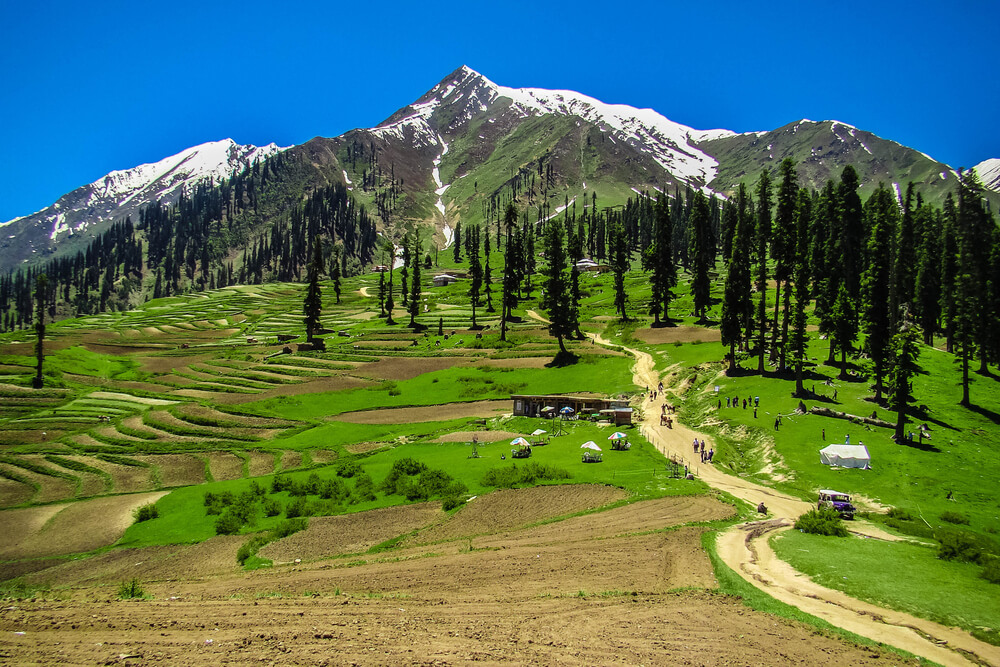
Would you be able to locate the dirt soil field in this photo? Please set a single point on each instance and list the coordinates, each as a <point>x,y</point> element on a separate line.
<point>506,509</point>
<point>351,533</point>
<point>596,589</point>
<point>429,413</point>
<point>403,368</point>
<point>52,530</point>
<point>677,335</point>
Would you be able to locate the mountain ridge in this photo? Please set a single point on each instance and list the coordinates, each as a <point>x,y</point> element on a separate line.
<point>468,142</point>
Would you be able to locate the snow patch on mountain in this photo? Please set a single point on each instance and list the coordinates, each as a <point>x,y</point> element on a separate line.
<point>469,93</point>
<point>671,144</point>
<point>989,173</point>
<point>123,192</point>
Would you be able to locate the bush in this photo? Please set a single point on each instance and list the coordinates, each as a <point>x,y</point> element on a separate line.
<point>298,507</point>
<point>402,468</point>
<point>250,547</point>
<point>129,590</point>
<point>272,507</point>
<point>451,502</point>
<point>959,545</point>
<point>529,473</point>
<point>333,489</point>
<point>288,527</point>
<point>901,514</point>
<point>364,488</point>
<point>991,570</point>
<point>348,468</point>
<point>228,524</point>
<point>145,513</point>
<point>822,522</point>
<point>955,517</point>
<point>280,483</point>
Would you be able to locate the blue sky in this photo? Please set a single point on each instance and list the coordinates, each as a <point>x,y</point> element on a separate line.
<point>91,87</point>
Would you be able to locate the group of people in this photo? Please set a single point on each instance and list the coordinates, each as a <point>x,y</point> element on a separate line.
<point>699,448</point>
<point>734,402</point>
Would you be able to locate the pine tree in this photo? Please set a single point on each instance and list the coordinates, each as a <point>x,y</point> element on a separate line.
<point>733,307</point>
<point>743,242</point>
<point>882,213</point>
<point>783,251</point>
<point>948,270</point>
<point>415,279</point>
<point>561,324</point>
<point>313,305</point>
<point>799,340</point>
<point>335,269</point>
<point>972,319</point>
<point>41,293</point>
<point>761,239</point>
<point>701,253</point>
<point>487,271</point>
<point>457,242</point>
<point>845,332</point>
<point>927,290</point>
<point>475,271</point>
<point>905,263</point>
<point>905,351</point>
<point>510,280</point>
<point>620,264</point>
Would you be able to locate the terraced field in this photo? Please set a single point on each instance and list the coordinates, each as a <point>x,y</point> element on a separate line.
<point>153,398</point>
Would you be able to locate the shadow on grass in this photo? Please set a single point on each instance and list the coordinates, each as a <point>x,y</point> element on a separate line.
<point>563,359</point>
<point>663,324</point>
<point>986,412</point>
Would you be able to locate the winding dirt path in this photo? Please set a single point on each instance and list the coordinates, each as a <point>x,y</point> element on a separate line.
<point>746,550</point>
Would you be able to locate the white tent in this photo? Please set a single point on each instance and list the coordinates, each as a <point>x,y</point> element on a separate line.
<point>845,456</point>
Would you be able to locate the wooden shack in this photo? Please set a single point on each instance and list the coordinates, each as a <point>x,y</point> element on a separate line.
<point>551,405</point>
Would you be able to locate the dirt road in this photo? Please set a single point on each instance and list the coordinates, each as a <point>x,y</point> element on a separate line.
<point>746,550</point>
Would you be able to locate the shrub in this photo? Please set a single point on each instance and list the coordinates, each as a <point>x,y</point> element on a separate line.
<point>228,524</point>
<point>348,468</point>
<point>250,547</point>
<point>401,469</point>
<point>272,507</point>
<point>288,527</point>
<point>129,590</point>
<point>280,483</point>
<point>364,488</point>
<point>822,522</point>
<point>901,514</point>
<point>510,476</point>
<point>451,502</point>
<point>298,507</point>
<point>959,545</point>
<point>145,513</point>
<point>333,489</point>
<point>991,570</point>
<point>955,517</point>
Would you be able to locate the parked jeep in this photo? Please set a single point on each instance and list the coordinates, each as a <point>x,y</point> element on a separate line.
<point>838,501</point>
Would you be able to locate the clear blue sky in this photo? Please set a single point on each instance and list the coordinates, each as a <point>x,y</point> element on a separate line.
<point>91,87</point>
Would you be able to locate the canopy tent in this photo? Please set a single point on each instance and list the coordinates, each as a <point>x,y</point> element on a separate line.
<point>617,435</point>
<point>845,456</point>
<point>590,445</point>
<point>567,411</point>
<point>520,442</point>
<point>539,431</point>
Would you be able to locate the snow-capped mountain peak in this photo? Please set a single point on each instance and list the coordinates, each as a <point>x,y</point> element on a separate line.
<point>989,173</point>
<point>122,193</point>
<point>466,92</point>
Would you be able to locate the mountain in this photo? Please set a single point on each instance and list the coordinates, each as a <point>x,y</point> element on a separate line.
<point>90,208</point>
<point>821,150</point>
<point>989,173</point>
<point>468,145</point>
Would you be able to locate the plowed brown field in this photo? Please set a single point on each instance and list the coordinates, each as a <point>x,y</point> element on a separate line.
<point>595,589</point>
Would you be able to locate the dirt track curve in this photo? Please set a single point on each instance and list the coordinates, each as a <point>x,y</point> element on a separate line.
<point>746,550</point>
